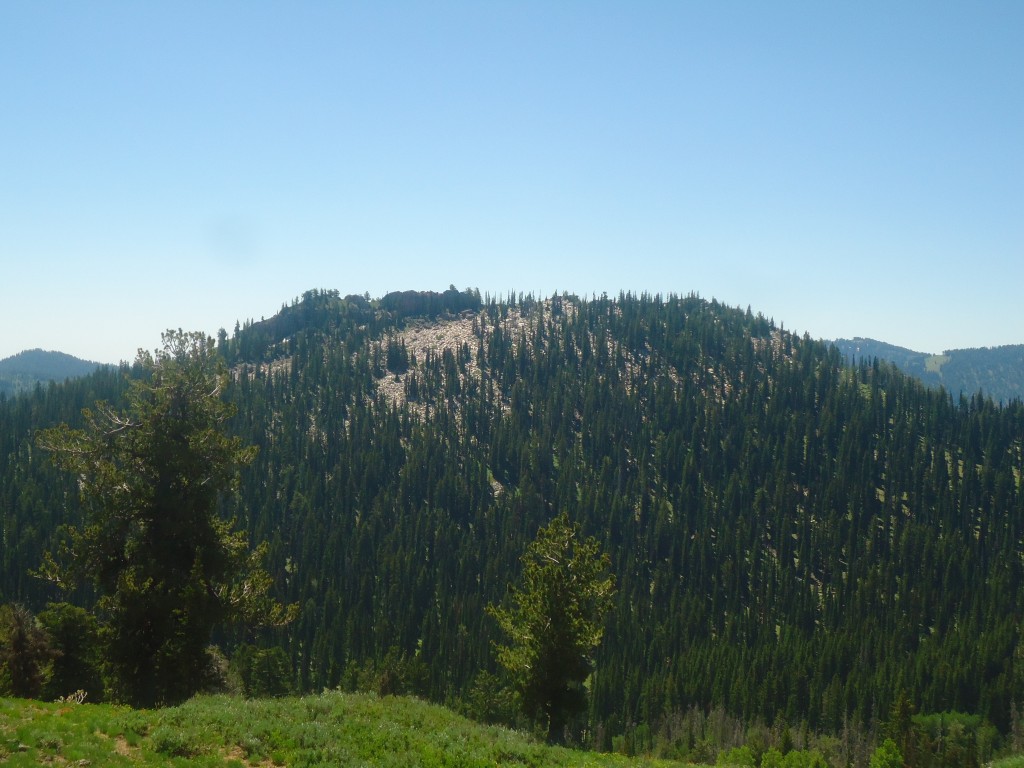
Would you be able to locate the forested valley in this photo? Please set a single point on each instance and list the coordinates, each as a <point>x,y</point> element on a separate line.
<point>796,541</point>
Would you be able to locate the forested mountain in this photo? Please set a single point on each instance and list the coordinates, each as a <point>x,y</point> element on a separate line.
<point>998,372</point>
<point>792,536</point>
<point>25,369</point>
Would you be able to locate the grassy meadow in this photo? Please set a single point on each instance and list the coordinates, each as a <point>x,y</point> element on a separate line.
<point>328,730</point>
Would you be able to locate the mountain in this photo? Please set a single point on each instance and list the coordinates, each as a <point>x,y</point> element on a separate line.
<point>796,539</point>
<point>26,369</point>
<point>998,372</point>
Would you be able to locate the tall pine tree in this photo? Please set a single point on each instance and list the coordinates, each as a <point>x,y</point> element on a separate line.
<point>166,566</point>
<point>554,623</point>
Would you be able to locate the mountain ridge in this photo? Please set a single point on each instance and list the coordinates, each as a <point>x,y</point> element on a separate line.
<point>24,370</point>
<point>998,372</point>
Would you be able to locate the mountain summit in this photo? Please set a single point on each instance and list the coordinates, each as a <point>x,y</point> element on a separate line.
<point>25,369</point>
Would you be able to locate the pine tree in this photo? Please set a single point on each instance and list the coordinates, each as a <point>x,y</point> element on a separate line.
<point>74,635</point>
<point>167,567</point>
<point>25,651</point>
<point>554,623</point>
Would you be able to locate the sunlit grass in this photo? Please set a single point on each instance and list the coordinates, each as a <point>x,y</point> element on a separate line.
<point>327,730</point>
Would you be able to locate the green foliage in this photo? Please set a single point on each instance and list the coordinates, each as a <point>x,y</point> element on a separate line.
<point>950,739</point>
<point>328,730</point>
<point>397,674</point>
<point>489,700</point>
<point>800,758</point>
<point>771,758</point>
<point>74,634</point>
<point>25,652</point>
<point>554,622</point>
<point>261,672</point>
<point>737,756</point>
<point>167,568</point>
<point>887,756</point>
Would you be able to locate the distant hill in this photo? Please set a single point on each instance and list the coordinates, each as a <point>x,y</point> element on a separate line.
<point>25,369</point>
<point>998,372</point>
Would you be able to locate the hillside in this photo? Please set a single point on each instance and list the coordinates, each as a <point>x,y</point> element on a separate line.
<point>998,372</point>
<point>796,540</point>
<point>24,370</point>
<point>328,730</point>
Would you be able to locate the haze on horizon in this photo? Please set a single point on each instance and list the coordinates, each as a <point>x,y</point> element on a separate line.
<point>846,170</point>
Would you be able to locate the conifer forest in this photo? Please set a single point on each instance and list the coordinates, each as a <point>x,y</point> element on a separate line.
<point>794,538</point>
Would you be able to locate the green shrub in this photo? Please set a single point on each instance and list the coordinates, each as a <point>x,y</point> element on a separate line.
<point>887,756</point>
<point>799,758</point>
<point>737,756</point>
<point>173,742</point>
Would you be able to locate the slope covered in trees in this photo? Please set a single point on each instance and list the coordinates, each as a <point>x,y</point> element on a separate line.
<point>791,537</point>
<point>998,372</point>
<point>24,370</point>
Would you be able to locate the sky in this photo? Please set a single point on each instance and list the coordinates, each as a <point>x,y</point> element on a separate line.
<point>847,169</point>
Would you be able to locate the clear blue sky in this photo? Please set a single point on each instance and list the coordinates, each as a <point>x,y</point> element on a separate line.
<point>849,169</point>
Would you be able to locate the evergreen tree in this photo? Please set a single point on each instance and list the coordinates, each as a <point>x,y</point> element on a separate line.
<point>554,622</point>
<point>25,651</point>
<point>260,672</point>
<point>74,634</point>
<point>167,568</point>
